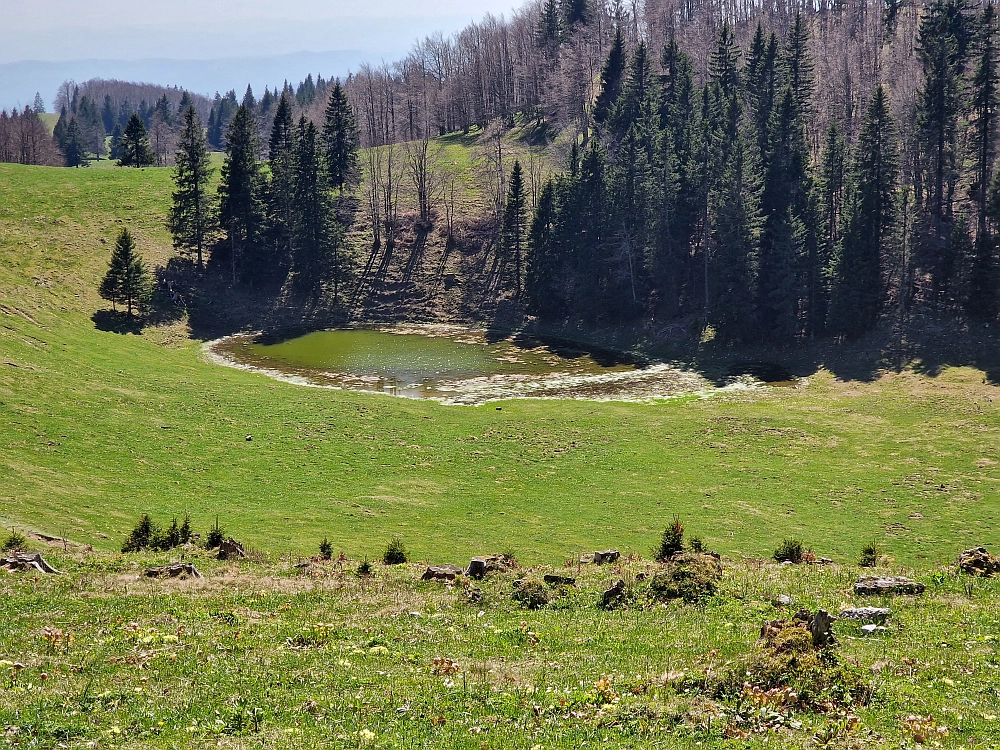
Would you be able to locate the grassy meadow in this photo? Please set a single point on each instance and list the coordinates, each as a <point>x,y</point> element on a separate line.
<point>99,427</point>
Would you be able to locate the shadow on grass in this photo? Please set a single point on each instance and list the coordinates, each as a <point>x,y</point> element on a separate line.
<point>117,322</point>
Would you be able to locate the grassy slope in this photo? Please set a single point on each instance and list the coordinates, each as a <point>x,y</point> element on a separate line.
<point>99,427</point>
<point>83,449</point>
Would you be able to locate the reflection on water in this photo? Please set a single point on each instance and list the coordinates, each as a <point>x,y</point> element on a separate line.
<point>455,365</point>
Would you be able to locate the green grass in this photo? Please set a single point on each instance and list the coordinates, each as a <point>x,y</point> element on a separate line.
<point>100,427</point>
<point>97,428</point>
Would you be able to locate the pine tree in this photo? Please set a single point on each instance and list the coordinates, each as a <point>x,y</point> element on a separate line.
<point>340,140</point>
<point>575,12</point>
<point>59,131</point>
<point>513,224</point>
<point>127,281</point>
<point>73,147</point>
<point>116,137</point>
<point>39,106</point>
<point>612,75</point>
<point>241,208</point>
<point>796,65</point>
<point>870,217</point>
<point>133,146</point>
<point>108,118</point>
<point>248,99</point>
<point>190,217</point>
<point>982,298</point>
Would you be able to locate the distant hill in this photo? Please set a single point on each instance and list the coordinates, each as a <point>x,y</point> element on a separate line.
<point>20,80</point>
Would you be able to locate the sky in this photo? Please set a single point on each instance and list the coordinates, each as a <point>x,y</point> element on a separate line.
<point>69,39</point>
<point>54,30</point>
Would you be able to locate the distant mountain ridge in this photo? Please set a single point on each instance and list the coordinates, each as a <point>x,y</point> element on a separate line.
<point>20,80</point>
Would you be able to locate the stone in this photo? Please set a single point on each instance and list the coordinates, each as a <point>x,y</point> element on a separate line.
<point>819,626</point>
<point>441,573</point>
<point>872,628</point>
<point>875,585</point>
<point>231,548</point>
<point>613,593</point>
<point>783,600</point>
<point>866,614</point>
<point>172,570</point>
<point>607,556</point>
<point>978,562</point>
<point>28,561</point>
<point>556,580</point>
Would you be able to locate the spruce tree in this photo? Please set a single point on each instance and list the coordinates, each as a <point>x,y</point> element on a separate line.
<point>281,187</point>
<point>108,117</point>
<point>241,190</point>
<point>612,75</point>
<point>133,146</point>
<point>982,297</point>
<point>547,34</point>
<point>190,217</point>
<point>513,224</point>
<point>39,105</point>
<point>127,281</point>
<point>340,140</point>
<point>736,230</point>
<point>829,209</point>
<point>316,241</point>
<point>942,46</point>
<point>59,131</point>
<point>870,217</point>
<point>575,12</point>
<point>542,271</point>
<point>73,148</point>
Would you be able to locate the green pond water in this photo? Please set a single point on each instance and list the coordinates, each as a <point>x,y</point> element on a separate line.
<point>461,366</point>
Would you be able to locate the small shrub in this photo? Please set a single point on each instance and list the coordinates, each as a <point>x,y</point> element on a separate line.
<point>141,536</point>
<point>531,594</point>
<point>16,542</point>
<point>173,535</point>
<point>869,555</point>
<point>395,553</point>
<point>216,535</point>
<point>185,530</point>
<point>692,577</point>
<point>696,545</point>
<point>365,569</point>
<point>671,542</point>
<point>790,550</point>
<point>325,549</point>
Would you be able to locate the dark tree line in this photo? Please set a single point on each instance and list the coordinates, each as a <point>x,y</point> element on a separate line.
<point>707,198</point>
<point>276,215</point>
<point>24,139</point>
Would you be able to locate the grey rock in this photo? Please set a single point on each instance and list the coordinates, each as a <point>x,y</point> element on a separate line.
<point>783,600</point>
<point>173,570</point>
<point>866,614</point>
<point>607,556</point>
<point>872,628</point>
<point>875,585</point>
<point>821,627</point>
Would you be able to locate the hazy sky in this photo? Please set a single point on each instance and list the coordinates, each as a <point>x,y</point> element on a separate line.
<point>197,29</point>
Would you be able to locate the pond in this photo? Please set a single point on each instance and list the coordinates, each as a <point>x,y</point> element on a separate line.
<point>455,365</point>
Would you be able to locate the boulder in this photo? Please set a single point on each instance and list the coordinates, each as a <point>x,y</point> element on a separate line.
<point>871,628</point>
<point>874,585</point>
<point>607,556</point>
<point>556,580</point>
<point>782,600</point>
<point>866,614</point>
<point>172,570</point>
<point>616,590</point>
<point>28,561</point>
<point>441,573</point>
<point>978,562</point>
<point>230,548</point>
